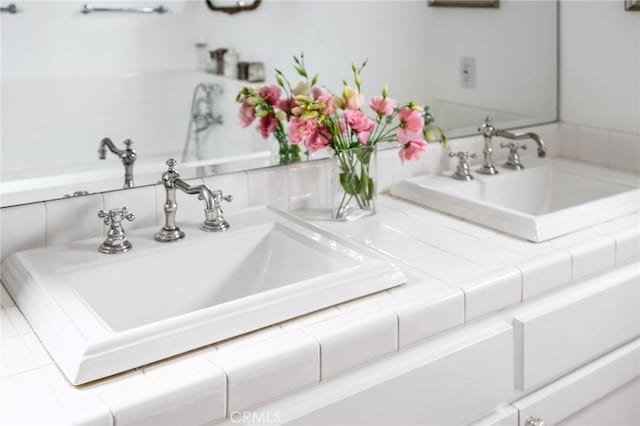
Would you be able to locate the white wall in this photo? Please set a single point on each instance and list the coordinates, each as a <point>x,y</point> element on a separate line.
<point>600,65</point>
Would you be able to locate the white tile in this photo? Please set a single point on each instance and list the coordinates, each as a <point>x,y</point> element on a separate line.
<point>309,185</point>
<point>66,393</point>
<point>423,312</point>
<point>441,237</point>
<point>624,151</point>
<point>249,338</point>
<point>593,146</point>
<point>269,186</point>
<point>269,369</point>
<point>184,391</point>
<point>595,254</point>
<point>568,140</point>
<point>446,267</point>
<point>545,272</point>
<point>386,159</point>
<point>400,247</point>
<point>86,412</point>
<point>72,219</point>
<point>371,300</point>
<point>492,291</point>
<point>17,319</point>
<point>626,233</point>
<point>22,228</point>
<point>234,184</point>
<point>37,349</point>
<point>471,229</point>
<point>5,298</point>
<point>519,246</point>
<point>482,253</point>
<point>16,357</point>
<point>6,326</point>
<point>140,201</point>
<point>23,394</point>
<point>354,338</point>
<point>309,319</point>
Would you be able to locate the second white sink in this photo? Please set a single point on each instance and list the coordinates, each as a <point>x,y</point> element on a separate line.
<point>102,314</point>
<point>548,199</point>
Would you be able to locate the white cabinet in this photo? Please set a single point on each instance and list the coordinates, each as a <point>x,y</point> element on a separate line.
<point>559,334</point>
<point>605,392</point>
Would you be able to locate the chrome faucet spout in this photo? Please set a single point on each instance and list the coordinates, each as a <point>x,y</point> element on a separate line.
<point>542,151</point>
<point>214,220</point>
<point>127,155</point>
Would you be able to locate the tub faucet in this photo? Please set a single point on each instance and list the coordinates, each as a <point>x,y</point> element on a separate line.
<point>214,219</point>
<point>127,155</point>
<point>489,131</point>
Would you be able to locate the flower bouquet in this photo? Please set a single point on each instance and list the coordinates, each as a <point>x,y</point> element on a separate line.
<point>319,119</point>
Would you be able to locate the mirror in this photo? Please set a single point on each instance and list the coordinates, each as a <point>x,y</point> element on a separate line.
<point>232,6</point>
<point>71,79</point>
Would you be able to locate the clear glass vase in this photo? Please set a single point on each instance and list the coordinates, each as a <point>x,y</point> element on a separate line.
<point>286,153</point>
<point>354,184</point>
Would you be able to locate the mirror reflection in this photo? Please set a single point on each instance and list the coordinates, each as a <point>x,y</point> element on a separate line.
<point>164,85</point>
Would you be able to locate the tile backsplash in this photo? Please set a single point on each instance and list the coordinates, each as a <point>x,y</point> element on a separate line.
<point>293,187</point>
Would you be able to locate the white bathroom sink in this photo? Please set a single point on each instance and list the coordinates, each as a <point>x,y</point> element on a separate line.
<point>549,198</point>
<point>103,314</point>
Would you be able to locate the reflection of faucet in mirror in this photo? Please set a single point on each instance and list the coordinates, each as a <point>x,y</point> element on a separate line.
<point>489,131</point>
<point>214,220</point>
<point>202,117</point>
<point>127,155</point>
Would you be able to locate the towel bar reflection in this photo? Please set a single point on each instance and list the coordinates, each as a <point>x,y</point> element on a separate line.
<point>87,8</point>
<point>10,8</point>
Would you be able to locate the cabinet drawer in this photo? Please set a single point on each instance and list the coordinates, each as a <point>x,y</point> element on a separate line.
<point>589,390</point>
<point>447,381</point>
<point>576,326</point>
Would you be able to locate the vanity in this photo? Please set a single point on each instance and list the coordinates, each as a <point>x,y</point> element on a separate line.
<point>153,277</point>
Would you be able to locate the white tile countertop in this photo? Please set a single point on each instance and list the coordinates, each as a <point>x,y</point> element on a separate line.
<point>458,271</point>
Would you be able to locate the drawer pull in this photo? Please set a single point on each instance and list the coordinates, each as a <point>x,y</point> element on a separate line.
<point>534,421</point>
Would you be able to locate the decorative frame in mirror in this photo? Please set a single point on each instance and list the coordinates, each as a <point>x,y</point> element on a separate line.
<point>232,6</point>
<point>493,4</point>
<point>632,4</point>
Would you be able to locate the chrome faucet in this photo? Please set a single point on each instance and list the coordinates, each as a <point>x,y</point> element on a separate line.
<point>214,219</point>
<point>127,155</point>
<point>489,131</point>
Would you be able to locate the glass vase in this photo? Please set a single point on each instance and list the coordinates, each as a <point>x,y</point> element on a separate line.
<point>354,183</point>
<point>287,153</point>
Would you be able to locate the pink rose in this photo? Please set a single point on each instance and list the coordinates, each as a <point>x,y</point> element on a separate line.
<point>300,129</point>
<point>411,124</point>
<point>270,93</point>
<point>319,139</point>
<point>359,123</point>
<point>381,106</point>
<point>247,114</point>
<point>412,149</point>
<point>267,125</point>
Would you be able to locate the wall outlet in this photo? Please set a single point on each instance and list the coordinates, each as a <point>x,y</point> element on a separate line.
<point>468,72</point>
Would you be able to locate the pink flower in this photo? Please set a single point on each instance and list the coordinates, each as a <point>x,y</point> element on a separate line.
<point>412,149</point>
<point>353,99</point>
<point>301,129</point>
<point>267,125</point>
<point>318,91</point>
<point>319,139</point>
<point>327,99</point>
<point>247,114</point>
<point>359,123</point>
<point>411,124</point>
<point>286,105</point>
<point>270,93</point>
<point>381,106</point>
